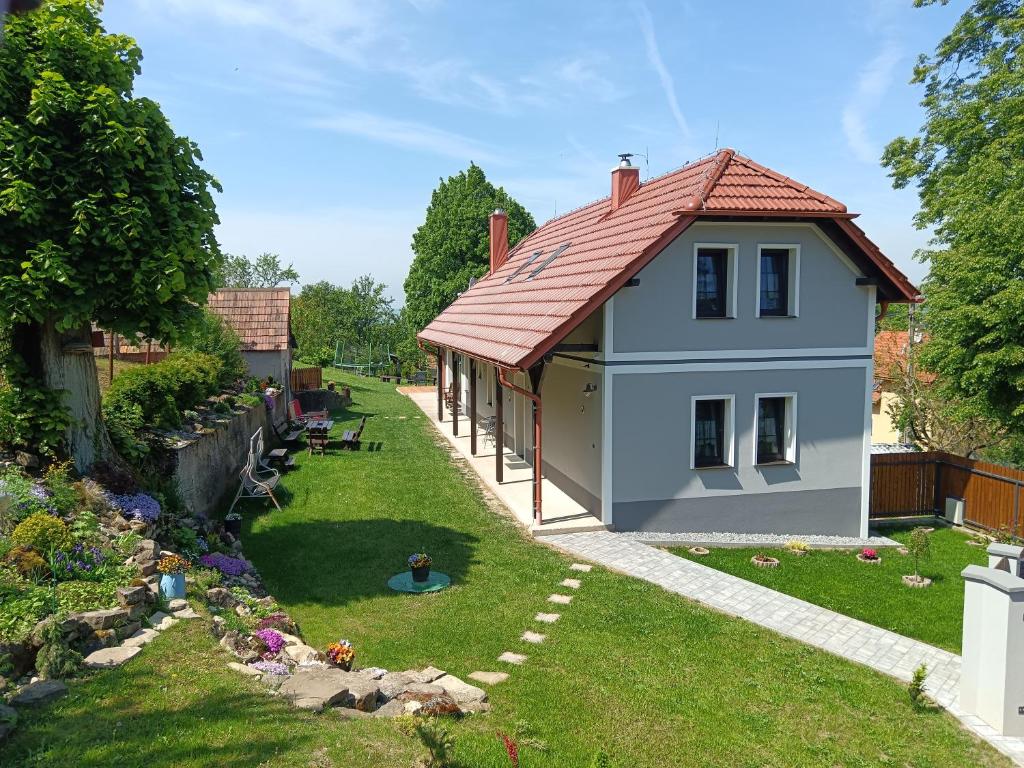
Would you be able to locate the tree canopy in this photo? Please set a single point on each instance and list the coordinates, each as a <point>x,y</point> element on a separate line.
<point>106,215</point>
<point>967,162</point>
<point>453,244</point>
<point>265,271</point>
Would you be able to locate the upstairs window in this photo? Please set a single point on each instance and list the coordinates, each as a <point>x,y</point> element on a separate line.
<point>711,437</point>
<point>714,281</point>
<point>775,440</point>
<point>777,280</point>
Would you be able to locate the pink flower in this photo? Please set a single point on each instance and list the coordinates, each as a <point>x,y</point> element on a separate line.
<point>869,554</point>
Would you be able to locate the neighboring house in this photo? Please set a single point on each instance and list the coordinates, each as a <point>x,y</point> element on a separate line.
<point>892,362</point>
<point>699,346</point>
<point>262,319</point>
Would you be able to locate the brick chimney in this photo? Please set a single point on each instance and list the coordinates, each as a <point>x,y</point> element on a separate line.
<point>499,239</point>
<point>625,181</point>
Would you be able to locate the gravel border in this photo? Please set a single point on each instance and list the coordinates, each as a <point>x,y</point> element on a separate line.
<point>716,539</point>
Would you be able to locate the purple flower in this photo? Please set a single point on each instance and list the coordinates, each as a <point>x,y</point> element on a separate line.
<point>139,506</point>
<point>270,667</point>
<point>229,566</point>
<point>272,640</point>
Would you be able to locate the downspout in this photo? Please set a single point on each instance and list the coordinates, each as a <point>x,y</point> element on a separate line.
<point>537,433</point>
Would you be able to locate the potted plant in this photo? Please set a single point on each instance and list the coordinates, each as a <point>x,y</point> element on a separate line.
<point>172,579</point>
<point>233,524</point>
<point>762,560</point>
<point>341,654</point>
<point>919,547</point>
<point>419,564</point>
<point>868,555</point>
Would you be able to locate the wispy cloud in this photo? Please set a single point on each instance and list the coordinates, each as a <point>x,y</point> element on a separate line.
<point>668,85</point>
<point>582,75</point>
<point>872,83</point>
<point>407,135</point>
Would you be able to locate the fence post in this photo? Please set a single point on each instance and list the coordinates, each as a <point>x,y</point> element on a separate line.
<point>938,486</point>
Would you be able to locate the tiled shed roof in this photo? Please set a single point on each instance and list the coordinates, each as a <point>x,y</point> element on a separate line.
<point>514,322</point>
<point>260,316</point>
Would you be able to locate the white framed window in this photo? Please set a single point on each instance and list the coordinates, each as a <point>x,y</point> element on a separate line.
<point>714,280</point>
<point>775,428</point>
<point>712,435</point>
<point>778,280</point>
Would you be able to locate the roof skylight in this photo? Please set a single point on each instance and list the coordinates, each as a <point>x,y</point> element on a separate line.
<point>525,264</point>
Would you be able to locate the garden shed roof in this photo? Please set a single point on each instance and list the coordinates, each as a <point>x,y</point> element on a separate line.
<point>260,316</point>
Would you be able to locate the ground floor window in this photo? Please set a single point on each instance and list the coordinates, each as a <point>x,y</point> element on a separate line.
<point>711,438</point>
<point>775,422</point>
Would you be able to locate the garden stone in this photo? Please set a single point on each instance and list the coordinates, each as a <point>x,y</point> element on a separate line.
<point>38,693</point>
<point>315,688</point>
<point>547,618</point>
<point>374,673</point>
<point>461,691</point>
<point>274,682</point>
<point>489,678</point>
<point>137,611</point>
<point>290,639</point>
<point>138,526</point>
<point>412,707</point>
<point>533,637</point>
<point>393,683</point>
<point>110,657</point>
<point>147,568</point>
<point>26,460</point>
<point>571,583</point>
<point>582,567</point>
<point>147,549</point>
<point>362,692</point>
<point>560,599</point>
<point>218,626</point>
<point>428,675</point>
<point>512,658</point>
<point>140,638</point>
<point>104,619</point>
<point>186,613</point>
<point>244,669</point>
<point>177,604</point>
<point>420,690</point>
<point>352,714</point>
<point>221,597</point>
<point>441,705</point>
<point>128,596</point>
<point>161,621</point>
<point>393,708</point>
<point>302,653</point>
<point>127,630</point>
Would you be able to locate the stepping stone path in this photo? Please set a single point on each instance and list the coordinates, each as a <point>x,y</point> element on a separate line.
<point>547,618</point>
<point>533,637</point>
<point>39,692</point>
<point>140,638</point>
<point>560,599</point>
<point>512,658</point>
<point>571,583</point>
<point>162,621</point>
<point>489,678</point>
<point>581,567</point>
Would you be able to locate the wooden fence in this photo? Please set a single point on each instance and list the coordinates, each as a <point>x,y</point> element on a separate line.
<point>307,378</point>
<point>919,483</point>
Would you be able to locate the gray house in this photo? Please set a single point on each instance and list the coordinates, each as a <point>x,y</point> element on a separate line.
<point>693,353</point>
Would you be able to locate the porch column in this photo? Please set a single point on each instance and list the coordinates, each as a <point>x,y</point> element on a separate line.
<point>456,386</point>
<point>472,407</point>
<point>440,383</point>
<point>499,428</point>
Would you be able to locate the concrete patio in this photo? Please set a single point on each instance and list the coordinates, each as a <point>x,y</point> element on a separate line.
<point>561,514</point>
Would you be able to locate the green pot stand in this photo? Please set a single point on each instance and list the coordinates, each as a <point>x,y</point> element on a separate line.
<point>402,582</point>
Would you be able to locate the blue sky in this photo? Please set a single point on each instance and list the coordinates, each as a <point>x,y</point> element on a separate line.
<point>329,122</point>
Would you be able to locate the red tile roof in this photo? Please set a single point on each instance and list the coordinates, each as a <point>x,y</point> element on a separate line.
<point>260,316</point>
<point>891,357</point>
<point>515,323</point>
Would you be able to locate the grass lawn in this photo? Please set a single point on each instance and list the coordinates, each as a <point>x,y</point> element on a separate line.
<point>873,593</point>
<point>651,678</point>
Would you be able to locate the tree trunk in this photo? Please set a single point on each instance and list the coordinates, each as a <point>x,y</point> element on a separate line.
<point>64,361</point>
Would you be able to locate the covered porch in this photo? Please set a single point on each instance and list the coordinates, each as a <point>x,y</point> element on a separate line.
<point>560,512</point>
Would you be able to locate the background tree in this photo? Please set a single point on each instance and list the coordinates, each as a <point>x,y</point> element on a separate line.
<point>452,245</point>
<point>105,214</point>
<point>968,165</point>
<point>265,271</point>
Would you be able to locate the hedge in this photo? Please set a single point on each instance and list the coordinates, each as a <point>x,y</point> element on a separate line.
<point>161,391</point>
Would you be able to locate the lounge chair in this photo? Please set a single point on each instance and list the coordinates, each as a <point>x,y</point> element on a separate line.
<point>351,438</point>
<point>271,461</point>
<point>295,413</point>
<point>252,486</point>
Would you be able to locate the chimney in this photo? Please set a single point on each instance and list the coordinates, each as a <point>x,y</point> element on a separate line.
<point>625,181</point>
<point>499,239</point>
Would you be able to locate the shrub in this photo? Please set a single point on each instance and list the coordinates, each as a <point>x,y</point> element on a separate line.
<point>165,389</point>
<point>26,561</point>
<point>125,421</point>
<point>63,498</point>
<point>56,660</point>
<point>917,694</point>
<point>919,546</point>
<point>210,335</point>
<point>21,610</point>
<point>42,532</point>
<point>206,578</point>
<point>252,401</point>
<point>79,596</point>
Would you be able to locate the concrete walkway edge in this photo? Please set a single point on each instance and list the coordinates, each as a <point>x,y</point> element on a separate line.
<point>858,641</point>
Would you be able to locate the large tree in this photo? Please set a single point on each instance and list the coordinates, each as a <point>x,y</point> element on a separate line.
<point>968,164</point>
<point>265,271</point>
<point>452,245</point>
<point>105,214</point>
<point>360,317</point>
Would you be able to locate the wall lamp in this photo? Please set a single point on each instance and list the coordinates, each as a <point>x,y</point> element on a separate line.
<point>589,389</point>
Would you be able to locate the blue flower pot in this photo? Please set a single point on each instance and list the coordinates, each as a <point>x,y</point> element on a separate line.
<point>172,585</point>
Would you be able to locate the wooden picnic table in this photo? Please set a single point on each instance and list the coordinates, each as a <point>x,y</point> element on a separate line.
<point>326,424</point>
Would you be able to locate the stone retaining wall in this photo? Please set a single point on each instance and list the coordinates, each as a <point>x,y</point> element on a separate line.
<point>208,466</point>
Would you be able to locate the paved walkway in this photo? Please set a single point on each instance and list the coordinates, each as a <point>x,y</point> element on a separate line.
<point>884,651</point>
